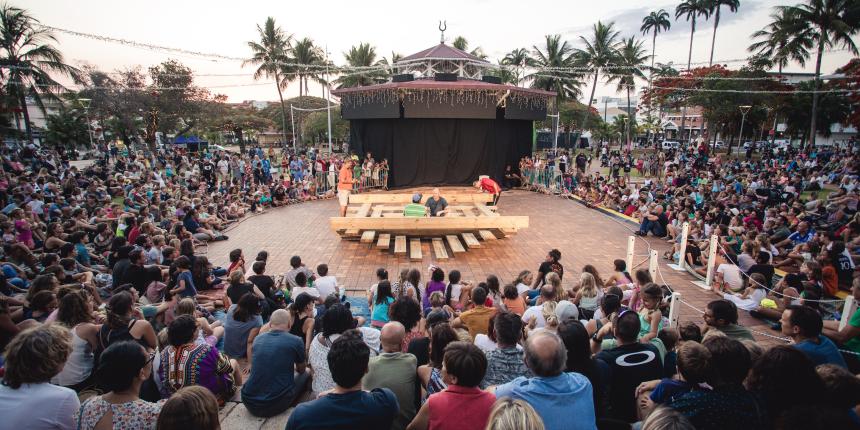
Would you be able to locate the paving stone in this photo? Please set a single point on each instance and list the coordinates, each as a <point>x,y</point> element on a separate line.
<point>240,418</point>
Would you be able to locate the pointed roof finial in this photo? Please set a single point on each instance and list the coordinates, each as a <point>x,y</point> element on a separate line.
<point>443,25</point>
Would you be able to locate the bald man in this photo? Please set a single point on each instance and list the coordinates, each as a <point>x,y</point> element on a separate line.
<point>436,204</point>
<point>270,389</point>
<point>396,371</point>
<point>553,393</point>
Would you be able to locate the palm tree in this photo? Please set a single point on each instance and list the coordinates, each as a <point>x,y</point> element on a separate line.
<point>780,43</point>
<point>600,52</point>
<point>271,53</point>
<point>690,10</point>
<point>29,59</point>
<point>828,24</point>
<point>518,59</point>
<point>310,60</point>
<point>654,23</point>
<point>362,55</point>
<point>631,57</point>
<point>462,44</point>
<point>555,54</point>
<point>389,64</point>
<point>715,9</point>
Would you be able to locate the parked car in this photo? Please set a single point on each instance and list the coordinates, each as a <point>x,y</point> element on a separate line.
<point>670,144</point>
<point>719,144</point>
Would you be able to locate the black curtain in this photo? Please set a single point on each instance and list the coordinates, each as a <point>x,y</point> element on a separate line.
<point>424,151</point>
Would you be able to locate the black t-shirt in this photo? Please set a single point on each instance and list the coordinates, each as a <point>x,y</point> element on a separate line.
<point>436,205</point>
<point>844,270</point>
<point>235,292</point>
<point>420,348</point>
<point>765,270</point>
<point>265,283</point>
<point>547,267</point>
<point>628,366</point>
<point>663,220</point>
<point>695,253</point>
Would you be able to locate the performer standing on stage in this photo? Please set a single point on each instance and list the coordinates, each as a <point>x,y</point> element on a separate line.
<point>488,185</point>
<point>345,183</point>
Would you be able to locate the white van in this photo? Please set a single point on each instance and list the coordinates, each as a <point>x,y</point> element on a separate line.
<point>670,144</point>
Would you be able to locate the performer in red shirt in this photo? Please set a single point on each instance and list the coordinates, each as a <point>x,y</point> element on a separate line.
<point>490,186</point>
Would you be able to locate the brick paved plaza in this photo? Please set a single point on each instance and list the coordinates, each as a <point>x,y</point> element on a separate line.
<point>584,236</point>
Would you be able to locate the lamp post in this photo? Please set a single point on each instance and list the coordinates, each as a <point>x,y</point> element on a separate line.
<point>328,98</point>
<point>86,104</point>
<point>744,109</point>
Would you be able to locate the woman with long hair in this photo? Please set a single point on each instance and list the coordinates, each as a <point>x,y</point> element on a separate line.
<point>125,322</point>
<point>620,276</point>
<point>454,291</point>
<point>588,295</point>
<point>302,318</point>
<point>430,374</point>
<point>381,301</point>
<point>241,326</point>
<point>336,320</point>
<point>76,313</point>
<point>576,340</point>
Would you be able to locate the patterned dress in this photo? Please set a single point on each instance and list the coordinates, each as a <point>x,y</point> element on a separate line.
<point>195,364</point>
<point>136,415</point>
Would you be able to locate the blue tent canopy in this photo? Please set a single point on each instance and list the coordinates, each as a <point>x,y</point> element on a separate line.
<point>182,140</point>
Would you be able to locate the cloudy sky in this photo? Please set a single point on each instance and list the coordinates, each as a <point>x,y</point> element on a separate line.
<point>405,27</point>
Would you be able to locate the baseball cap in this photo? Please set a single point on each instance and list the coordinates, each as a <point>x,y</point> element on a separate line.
<point>416,197</point>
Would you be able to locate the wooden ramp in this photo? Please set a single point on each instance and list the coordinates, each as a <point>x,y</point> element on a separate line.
<point>378,217</point>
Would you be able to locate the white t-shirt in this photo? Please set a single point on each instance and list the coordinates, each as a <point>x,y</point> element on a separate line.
<point>731,276</point>
<point>456,290</point>
<point>327,285</point>
<point>38,406</point>
<point>522,288</point>
<point>223,166</point>
<point>312,291</point>
<point>484,342</point>
<point>534,312</point>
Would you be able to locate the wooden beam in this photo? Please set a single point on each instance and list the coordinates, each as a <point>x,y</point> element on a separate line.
<point>486,235</point>
<point>363,211</point>
<point>384,241</point>
<point>415,225</point>
<point>455,244</point>
<point>377,212</point>
<point>415,249</point>
<point>400,245</point>
<point>484,210</point>
<point>439,249</point>
<point>368,236</point>
<point>452,198</point>
<point>471,240</point>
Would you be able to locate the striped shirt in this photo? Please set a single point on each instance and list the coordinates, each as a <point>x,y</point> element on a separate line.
<point>414,210</point>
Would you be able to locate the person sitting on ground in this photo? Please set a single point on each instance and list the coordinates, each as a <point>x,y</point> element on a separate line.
<point>554,394</point>
<point>505,363</point>
<point>727,405</point>
<point>347,406</point>
<point>192,407</point>
<point>510,414</point>
<point>396,371</point>
<point>722,316</point>
<point>241,326</point>
<point>475,320</point>
<point>848,336</point>
<point>692,367</point>
<point>624,376</point>
<point>27,399</point>
<point>462,405</point>
<point>302,319</point>
<point>123,369</point>
<point>270,389</point>
<point>430,374</point>
<point>803,325</point>
<point>326,284</point>
<point>436,204</point>
<point>777,393</point>
<point>415,209</point>
<point>336,320</point>
<point>654,222</point>
<point>296,268</point>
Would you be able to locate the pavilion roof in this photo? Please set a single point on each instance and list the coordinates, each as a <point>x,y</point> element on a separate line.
<point>431,84</point>
<point>441,52</point>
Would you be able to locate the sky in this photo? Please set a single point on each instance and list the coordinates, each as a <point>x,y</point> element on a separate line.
<point>499,26</point>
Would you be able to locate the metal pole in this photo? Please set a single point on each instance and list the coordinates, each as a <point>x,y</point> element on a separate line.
<point>328,99</point>
<point>293,124</point>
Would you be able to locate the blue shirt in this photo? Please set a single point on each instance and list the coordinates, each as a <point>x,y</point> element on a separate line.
<point>236,334</point>
<point>269,383</point>
<point>825,352</point>
<point>796,238</point>
<point>191,225</point>
<point>356,410</point>
<point>556,399</point>
<point>190,290</point>
<point>668,389</point>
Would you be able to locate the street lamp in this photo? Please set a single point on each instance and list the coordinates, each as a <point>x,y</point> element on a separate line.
<point>744,109</point>
<point>86,104</point>
<point>328,98</point>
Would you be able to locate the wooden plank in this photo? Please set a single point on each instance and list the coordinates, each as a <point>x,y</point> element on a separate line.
<point>384,241</point>
<point>414,248</point>
<point>368,236</point>
<point>455,244</point>
<point>484,210</point>
<point>486,235</point>
<point>363,211</point>
<point>377,212</point>
<point>437,224</point>
<point>439,249</point>
<point>471,240</point>
<point>452,198</point>
<point>400,245</point>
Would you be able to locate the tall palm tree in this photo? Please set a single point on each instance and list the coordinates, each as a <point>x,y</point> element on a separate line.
<point>309,59</point>
<point>361,55</point>
<point>654,23</point>
<point>715,10</point>
<point>829,23</point>
<point>555,54</point>
<point>518,59</point>
<point>631,57</point>
<point>389,63</point>
<point>600,52</point>
<point>691,10</point>
<point>29,59</point>
<point>780,43</point>
<point>462,44</point>
<point>270,54</point>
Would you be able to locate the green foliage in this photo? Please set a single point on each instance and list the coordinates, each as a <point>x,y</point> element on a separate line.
<point>68,127</point>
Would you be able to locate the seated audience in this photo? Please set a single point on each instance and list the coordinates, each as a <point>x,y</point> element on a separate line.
<point>396,371</point>
<point>505,363</point>
<point>803,325</point>
<point>192,407</point>
<point>722,316</point>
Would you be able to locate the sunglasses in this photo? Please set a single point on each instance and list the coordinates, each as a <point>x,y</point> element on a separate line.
<point>150,358</point>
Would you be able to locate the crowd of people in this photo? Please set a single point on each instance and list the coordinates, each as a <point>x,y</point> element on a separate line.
<point>112,317</point>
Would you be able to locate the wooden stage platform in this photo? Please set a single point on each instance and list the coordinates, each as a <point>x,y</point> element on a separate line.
<point>377,218</point>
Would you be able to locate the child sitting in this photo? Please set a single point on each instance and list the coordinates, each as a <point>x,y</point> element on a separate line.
<point>512,301</point>
<point>693,366</point>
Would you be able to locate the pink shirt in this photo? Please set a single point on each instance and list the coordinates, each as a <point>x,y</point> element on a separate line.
<point>460,407</point>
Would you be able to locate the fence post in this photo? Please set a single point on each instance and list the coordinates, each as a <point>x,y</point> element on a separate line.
<point>712,260</point>
<point>675,310</point>
<point>631,247</point>
<point>652,265</point>
<point>685,231</point>
<point>847,311</point>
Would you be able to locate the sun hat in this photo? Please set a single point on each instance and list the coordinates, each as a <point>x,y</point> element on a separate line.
<point>566,310</point>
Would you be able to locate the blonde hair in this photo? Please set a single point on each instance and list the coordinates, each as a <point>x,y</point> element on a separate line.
<point>237,276</point>
<point>36,355</point>
<point>510,414</point>
<point>553,279</point>
<point>548,312</point>
<point>587,285</point>
<point>192,407</point>
<point>186,306</point>
<point>666,418</point>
